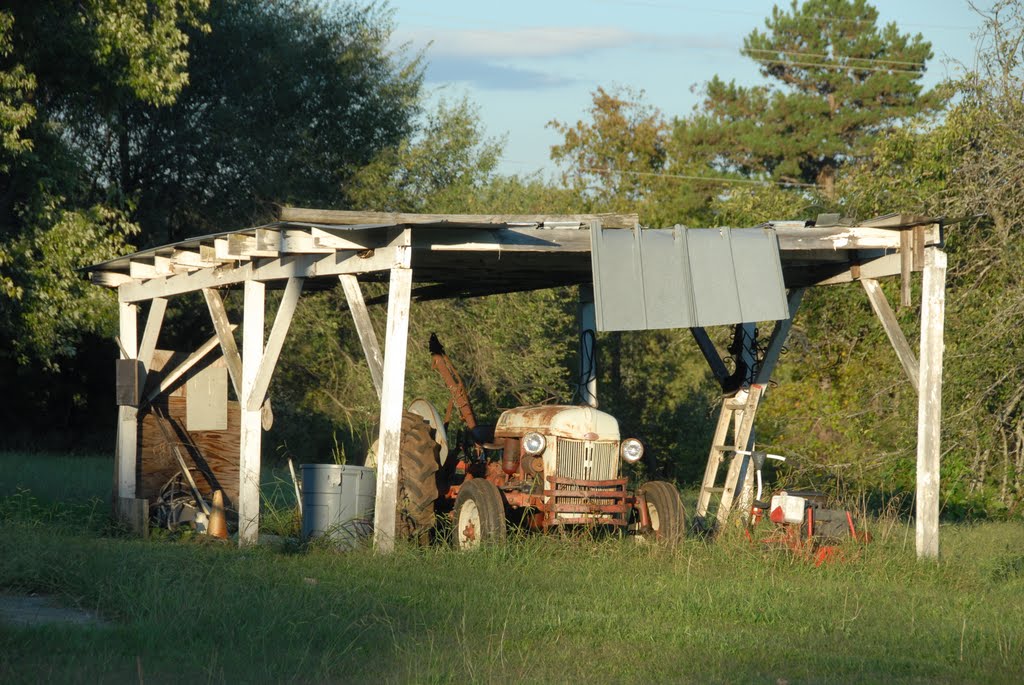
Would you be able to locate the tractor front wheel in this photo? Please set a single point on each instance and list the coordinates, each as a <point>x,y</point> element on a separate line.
<point>665,511</point>
<point>479,515</point>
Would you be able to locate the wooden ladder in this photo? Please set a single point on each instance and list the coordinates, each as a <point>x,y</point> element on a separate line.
<point>721,446</point>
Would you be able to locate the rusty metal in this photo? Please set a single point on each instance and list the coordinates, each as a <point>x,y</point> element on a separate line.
<point>453,381</point>
<point>575,496</point>
<point>510,455</point>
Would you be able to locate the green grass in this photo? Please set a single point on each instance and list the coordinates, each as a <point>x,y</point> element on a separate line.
<point>536,610</point>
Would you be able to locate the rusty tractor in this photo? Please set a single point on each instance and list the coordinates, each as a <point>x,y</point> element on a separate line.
<point>539,467</point>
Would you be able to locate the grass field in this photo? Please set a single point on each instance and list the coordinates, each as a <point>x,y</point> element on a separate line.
<point>536,610</point>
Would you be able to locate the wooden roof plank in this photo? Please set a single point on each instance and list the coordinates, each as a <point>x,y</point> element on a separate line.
<point>345,217</point>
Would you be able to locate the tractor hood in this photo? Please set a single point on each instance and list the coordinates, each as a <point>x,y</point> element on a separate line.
<point>564,421</point>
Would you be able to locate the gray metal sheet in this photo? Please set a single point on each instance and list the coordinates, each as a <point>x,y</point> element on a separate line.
<point>683,278</point>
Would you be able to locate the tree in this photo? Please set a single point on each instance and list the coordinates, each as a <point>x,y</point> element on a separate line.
<point>56,215</point>
<point>287,100</point>
<point>446,160</point>
<point>839,82</point>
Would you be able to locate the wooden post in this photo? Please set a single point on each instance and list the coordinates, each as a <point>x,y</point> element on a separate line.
<point>126,453</point>
<point>588,347</point>
<point>929,403</point>
<point>364,328</point>
<point>887,317</point>
<point>275,342</point>
<point>392,400</point>
<point>251,428</point>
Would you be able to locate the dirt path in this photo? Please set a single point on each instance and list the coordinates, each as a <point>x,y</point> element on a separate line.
<point>40,610</point>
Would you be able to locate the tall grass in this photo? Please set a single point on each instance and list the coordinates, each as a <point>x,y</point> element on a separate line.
<point>539,609</point>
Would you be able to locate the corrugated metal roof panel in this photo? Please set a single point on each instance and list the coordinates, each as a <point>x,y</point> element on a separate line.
<point>683,278</point>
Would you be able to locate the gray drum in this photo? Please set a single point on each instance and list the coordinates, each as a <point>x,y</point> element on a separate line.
<point>337,501</point>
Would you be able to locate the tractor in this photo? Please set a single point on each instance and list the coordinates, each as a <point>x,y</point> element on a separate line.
<point>542,468</point>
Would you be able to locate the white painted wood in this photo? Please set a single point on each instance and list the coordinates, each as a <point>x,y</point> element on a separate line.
<point>251,429</point>
<point>247,246</point>
<point>184,367</point>
<point>154,322</point>
<point>392,402</point>
<point>929,404</point>
<point>223,328</point>
<point>275,343</point>
<point>364,328</point>
<point>297,266</point>
<point>126,452</point>
<point>588,347</point>
<point>880,305</point>
<point>847,237</point>
<point>109,279</point>
<point>345,239</point>
<point>778,339</point>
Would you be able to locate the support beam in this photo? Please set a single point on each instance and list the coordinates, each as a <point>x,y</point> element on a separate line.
<point>278,333</point>
<point>929,403</point>
<point>181,369</point>
<point>364,328</point>
<point>392,399</point>
<point>707,348</point>
<point>251,428</point>
<point>126,453</point>
<point>880,304</point>
<point>588,347</point>
<point>154,321</point>
<point>224,329</point>
<point>778,339</point>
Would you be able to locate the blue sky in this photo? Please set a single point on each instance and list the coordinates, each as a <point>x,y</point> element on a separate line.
<point>526,62</point>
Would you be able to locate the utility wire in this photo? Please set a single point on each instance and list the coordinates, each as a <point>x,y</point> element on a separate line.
<point>710,179</point>
<point>829,57</point>
<point>838,67</point>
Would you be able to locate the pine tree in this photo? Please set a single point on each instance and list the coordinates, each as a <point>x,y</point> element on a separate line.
<point>838,81</point>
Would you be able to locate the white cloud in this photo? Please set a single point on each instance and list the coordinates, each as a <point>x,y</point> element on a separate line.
<point>541,41</point>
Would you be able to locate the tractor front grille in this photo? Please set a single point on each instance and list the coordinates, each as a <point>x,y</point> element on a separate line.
<point>587,460</point>
<point>591,469</point>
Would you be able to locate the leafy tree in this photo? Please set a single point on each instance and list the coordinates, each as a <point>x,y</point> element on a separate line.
<point>838,83</point>
<point>56,215</point>
<point>288,98</point>
<point>446,160</point>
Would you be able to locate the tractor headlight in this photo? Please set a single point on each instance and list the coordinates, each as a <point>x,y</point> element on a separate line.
<point>533,443</point>
<point>631,450</point>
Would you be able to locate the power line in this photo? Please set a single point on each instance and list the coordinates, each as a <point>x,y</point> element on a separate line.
<point>845,67</point>
<point>709,179</point>
<point>811,54</point>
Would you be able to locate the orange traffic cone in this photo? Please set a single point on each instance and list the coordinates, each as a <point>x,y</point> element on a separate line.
<point>218,525</point>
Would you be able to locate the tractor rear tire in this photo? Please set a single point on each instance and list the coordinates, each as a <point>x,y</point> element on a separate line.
<point>665,509</point>
<point>479,516</point>
<point>417,485</point>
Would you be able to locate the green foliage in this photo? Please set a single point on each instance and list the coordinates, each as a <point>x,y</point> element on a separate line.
<point>448,159</point>
<point>287,100</point>
<point>432,615</point>
<point>842,82</point>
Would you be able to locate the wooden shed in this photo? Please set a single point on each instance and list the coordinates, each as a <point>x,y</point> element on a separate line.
<point>429,257</point>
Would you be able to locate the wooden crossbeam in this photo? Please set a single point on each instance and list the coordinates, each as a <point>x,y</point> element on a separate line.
<point>364,328</point>
<point>225,337</point>
<point>880,305</point>
<point>275,342</point>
